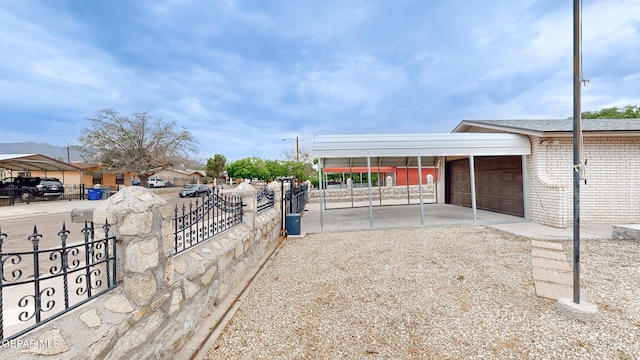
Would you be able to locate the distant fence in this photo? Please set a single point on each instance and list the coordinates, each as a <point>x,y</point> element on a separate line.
<point>38,286</point>
<point>296,198</point>
<point>206,217</point>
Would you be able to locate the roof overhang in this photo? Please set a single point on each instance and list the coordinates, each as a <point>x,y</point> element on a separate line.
<point>405,149</point>
<point>33,162</point>
<point>553,128</point>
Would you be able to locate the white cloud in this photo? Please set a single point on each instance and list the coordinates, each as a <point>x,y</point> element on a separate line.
<point>608,24</point>
<point>353,81</point>
<point>242,75</point>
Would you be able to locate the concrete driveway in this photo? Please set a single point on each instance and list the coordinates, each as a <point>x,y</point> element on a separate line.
<point>343,217</point>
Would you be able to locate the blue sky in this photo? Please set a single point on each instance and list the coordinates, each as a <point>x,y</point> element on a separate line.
<point>242,75</point>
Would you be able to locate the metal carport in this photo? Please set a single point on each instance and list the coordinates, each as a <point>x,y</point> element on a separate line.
<point>34,162</point>
<point>401,149</point>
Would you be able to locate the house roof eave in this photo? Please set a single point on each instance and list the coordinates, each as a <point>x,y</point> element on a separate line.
<point>466,125</point>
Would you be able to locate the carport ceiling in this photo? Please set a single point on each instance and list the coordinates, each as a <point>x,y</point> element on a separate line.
<point>404,149</point>
<point>345,162</point>
<point>33,162</point>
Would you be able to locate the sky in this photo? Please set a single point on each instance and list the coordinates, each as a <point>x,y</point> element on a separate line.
<point>240,76</point>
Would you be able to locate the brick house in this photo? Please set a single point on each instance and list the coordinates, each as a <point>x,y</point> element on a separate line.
<point>90,175</point>
<point>611,151</point>
<point>522,168</point>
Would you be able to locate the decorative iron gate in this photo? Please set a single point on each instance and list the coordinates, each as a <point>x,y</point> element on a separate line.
<point>296,198</point>
<point>265,199</point>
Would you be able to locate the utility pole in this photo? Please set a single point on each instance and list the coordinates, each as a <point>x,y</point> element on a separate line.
<point>577,148</point>
<point>584,311</point>
<point>297,147</point>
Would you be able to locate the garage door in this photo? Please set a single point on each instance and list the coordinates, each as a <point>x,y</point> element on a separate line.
<point>498,184</point>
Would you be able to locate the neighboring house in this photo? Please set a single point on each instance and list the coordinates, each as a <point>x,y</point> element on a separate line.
<point>180,177</point>
<point>75,174</point>
<point>609,194</point>
<point>101,174</point>
<point>91,175</point>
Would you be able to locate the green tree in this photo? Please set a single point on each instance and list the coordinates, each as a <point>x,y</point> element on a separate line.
<point>138,143</point>
<point>303,171</point>
<point>215,166</point>
<point>627,112</point>
<point>248,168</point>
<point>240,169</point>
<point>276,169</point>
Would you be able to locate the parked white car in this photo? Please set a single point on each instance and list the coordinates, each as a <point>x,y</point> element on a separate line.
<point>154,182</point>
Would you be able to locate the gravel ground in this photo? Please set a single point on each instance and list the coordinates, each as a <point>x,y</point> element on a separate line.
<point>430,293</point>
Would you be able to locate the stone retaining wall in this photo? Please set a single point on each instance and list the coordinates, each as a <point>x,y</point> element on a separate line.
<point>362,194</point>
<point>161,299</point>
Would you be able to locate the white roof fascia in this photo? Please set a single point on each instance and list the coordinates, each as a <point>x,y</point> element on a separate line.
<point>403,145</point>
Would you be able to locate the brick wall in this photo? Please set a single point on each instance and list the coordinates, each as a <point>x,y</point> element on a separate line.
<point>612,191</point>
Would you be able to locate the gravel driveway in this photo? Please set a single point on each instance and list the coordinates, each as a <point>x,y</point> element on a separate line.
<point>430,293</point>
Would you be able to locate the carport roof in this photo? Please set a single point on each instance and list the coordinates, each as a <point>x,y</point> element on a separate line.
<point>33,162</point>
<point>404,149</point>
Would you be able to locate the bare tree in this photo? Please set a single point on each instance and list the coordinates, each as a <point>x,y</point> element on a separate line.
<point>303,155</point>
<point>138,143</point>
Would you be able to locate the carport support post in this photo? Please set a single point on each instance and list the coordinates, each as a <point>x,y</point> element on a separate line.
<point>325,178</point>
<point>525,188</point>
<point>379,185</point>
<point>408,190</point>
<point>472,170</point>
<point>321,178</point>
<point>370,194</point>
<point>420,190</point>
<point>353,183</point>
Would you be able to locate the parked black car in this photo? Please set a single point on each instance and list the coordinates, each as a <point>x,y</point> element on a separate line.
<point>195,190</point>
<point>26,188</point>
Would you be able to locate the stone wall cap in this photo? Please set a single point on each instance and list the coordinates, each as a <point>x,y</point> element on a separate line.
<point>244,187</point>
<point>274,185</point>
<point>133,199</point>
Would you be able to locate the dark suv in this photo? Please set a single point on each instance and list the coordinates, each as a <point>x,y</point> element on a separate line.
<point>30,187</point>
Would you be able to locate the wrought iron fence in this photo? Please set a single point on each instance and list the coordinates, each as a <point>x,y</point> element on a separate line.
<point>265,199</point>
<point>296,198</point>
<point>208,216</point>
<point>74,192</point>
<point>10,195</point>
<point>40,285</point>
